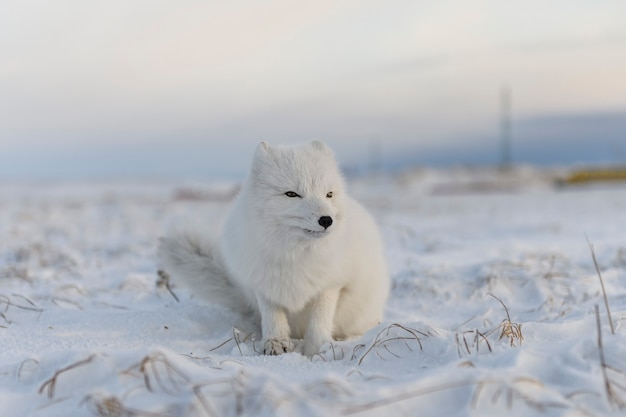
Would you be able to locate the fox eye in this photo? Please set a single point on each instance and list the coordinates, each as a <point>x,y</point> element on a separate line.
<point>292,194</point>
<point>329,195</point>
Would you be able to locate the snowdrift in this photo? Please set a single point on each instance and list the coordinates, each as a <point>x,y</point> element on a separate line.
<point>496,308</point>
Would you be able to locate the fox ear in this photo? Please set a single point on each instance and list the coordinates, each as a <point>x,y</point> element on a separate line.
<point>321,146</point>
<point>263,146</point>
<point>264,155</point>
<point>262,150</point>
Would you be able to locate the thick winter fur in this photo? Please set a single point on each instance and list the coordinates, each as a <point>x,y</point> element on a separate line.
<point>295,249</point>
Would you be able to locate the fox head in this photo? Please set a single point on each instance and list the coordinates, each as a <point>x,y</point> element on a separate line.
<point>297,190</point>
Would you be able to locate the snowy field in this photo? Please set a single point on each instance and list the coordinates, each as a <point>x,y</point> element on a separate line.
<point>492,310</point>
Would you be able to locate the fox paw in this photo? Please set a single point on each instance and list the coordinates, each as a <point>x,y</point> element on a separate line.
<point>312,348</point>
<point>277,346</point>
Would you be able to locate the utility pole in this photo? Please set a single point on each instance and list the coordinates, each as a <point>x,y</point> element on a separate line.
<point>505,127</point>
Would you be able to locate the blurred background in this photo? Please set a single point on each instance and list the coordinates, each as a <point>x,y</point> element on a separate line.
<point>185,89</point>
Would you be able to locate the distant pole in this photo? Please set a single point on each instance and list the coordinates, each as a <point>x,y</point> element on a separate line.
<point>505,127</point>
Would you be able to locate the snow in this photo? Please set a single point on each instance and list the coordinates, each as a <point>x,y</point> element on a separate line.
<point>85,330</point>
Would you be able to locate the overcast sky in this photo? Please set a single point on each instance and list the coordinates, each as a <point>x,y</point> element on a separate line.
<point>150,87</point>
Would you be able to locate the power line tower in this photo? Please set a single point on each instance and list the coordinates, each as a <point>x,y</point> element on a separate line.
<point>505,127</point>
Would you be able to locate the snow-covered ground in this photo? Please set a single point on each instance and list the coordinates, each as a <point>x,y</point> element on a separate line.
<point>491,311</point>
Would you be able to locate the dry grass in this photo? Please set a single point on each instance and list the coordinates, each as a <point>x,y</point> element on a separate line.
<point>405,396</point>
<point>610,386</point>
<point>237,339</point>
<point>39,255</point>
<point>241,394</point>
<point>161,376</point>
<point>519,389</point>
<point>606,300</point>
<point>10,303</point>
<point>24,367</point>
<point>163,281</point>
<point>475,339</point>
<point>111,406</point>
<point>393,333</point>
<point>16,271</point>
<point>470,342</point>
<point>486,392</point>
<point>159,372</point>
<point>49,386</point>
<point>510,330</point>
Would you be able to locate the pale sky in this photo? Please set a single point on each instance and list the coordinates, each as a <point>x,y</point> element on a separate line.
<point>159,87</point>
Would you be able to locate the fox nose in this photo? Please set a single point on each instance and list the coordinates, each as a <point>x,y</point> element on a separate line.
<point>325,221</point>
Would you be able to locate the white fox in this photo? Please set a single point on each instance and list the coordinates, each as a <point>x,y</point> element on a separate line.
<point>294,249</point>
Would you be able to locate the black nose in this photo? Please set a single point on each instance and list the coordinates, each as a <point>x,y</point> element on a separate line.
<point>325,221</point>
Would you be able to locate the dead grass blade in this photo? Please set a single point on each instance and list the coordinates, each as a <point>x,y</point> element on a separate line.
<point>484,338</point>
<point>384,337</point>
<point>355,350</point>
<point>159,369</point>
<point>236,386</point>
<point>8,303</point>
<point>329,390</point>
<point>64,302</point>
<point>608,384</point>
<point>163,281</point>
<point>114,407</point>
<point>404,397</point>
<point>513,331</point>
<point>23,365</point>
<point>476,339</point>
<point>236,337</point>
<point>606,300</point>
<point>510,391</point>
<point>204,402</point>
<point>335,357</point>
<point>50,384</point>
<point>108,407</point>
<point>29,301</point>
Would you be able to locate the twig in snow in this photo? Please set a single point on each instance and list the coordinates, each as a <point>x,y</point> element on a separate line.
<point>606,300</point>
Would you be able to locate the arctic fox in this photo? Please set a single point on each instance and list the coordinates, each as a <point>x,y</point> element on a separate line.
<point>294,249</point>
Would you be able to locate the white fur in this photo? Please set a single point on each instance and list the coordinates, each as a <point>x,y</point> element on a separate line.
<point>305,281</point>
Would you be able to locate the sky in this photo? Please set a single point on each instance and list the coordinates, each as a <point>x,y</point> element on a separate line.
<point>188,88</point>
